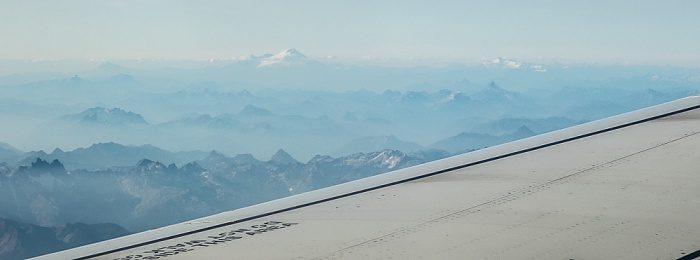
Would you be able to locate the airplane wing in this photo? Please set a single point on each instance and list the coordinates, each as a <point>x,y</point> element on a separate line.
<point>622,187</point>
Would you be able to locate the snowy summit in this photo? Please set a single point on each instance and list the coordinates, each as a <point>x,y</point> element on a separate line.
<point>286,58</point>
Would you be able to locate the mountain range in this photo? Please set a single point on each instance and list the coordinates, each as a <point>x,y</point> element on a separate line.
<point>148,193</point>
<point>337,124</point>
<point>104,155</point>
<point>21,240</point>
<point>309,106</point>
<point>113,117</point>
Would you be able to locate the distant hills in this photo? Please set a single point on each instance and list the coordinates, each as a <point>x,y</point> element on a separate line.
<point>336,124</point>
<point>260,104</point>
<point>104,116</point>
<point>466,142</point>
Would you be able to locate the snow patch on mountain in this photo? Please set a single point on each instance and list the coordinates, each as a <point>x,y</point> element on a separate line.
<point>501,62</point>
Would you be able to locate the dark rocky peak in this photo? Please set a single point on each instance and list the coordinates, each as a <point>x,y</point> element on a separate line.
<point>108,116</point>
<point>215,154</point>
<point>216,161</point>
<point>41,166</point>
<point>193,168</point>
<point>282,157</point>
<point>172,167</point>
<point>57,152</point>
<point>524,131</point>
<point>146,165</point>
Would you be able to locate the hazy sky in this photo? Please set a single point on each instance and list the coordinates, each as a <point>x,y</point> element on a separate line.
<point>627,32</point>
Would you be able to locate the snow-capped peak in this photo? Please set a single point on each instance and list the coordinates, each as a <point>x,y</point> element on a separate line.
<point>290,54</point>
<point>507,63</point>
<point>286,57</point>
<point>501,62</point>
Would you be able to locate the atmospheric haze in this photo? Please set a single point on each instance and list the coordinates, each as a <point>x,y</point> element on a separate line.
<point>146,113</point>
<point>153,147</point>
<point>289,101</point>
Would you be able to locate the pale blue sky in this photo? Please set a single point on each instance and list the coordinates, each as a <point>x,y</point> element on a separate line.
<point>627,32</point>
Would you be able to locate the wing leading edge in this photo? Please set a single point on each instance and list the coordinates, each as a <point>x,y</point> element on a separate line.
<point>621,187</point>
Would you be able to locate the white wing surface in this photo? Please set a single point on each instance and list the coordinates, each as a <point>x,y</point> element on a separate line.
<point>623,187</point>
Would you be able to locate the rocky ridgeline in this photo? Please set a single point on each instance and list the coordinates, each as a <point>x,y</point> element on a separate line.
<point>150,194</point>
